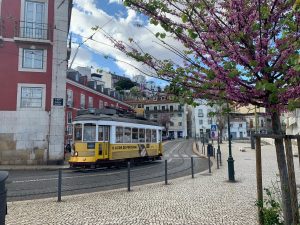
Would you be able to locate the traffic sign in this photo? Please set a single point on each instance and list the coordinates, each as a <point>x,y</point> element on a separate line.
<point>213,127</point>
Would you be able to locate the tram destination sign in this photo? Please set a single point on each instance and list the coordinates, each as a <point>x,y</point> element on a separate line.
<point>58,101</point>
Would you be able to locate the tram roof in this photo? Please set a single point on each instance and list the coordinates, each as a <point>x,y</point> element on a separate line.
<point>116,118</point>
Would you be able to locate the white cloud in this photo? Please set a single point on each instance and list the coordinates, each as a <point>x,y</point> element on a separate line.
<point>116,1</point>
<point>86,15</point>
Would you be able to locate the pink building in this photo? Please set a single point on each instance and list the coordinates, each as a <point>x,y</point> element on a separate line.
<point>33,56</point>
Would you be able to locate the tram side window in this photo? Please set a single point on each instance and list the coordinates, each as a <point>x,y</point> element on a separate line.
<point>141,135</point>
<point>148,135</point>
<point>154,136</point>
<point>78,132</point>
<point>119,134</point>
<point>160,136</point>
<point>100,133</point>
<point>135,135</point>
<point>89,132</point>
<point>127,135</point>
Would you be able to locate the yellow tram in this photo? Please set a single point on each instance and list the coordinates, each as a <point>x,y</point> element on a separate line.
<point>104,138</point>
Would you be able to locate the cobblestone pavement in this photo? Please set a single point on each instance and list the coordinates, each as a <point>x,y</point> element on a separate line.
<point>207,199</point>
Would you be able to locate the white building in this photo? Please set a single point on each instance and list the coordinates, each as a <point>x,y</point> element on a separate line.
<point>202,119</point>
<point>292,122</point>
<point>238,128</point>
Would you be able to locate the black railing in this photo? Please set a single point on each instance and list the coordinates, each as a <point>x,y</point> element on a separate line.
<point>32,30</point>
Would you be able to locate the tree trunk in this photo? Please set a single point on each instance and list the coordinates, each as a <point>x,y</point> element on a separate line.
<point>283,173</point>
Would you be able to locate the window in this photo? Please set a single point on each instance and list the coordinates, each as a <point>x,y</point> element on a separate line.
<point>163,108</point>
<point>200,113</point>
<point>171,108</point>
<point>32,59</point>
<point>127,135</point>
<point>69,98</point>
<point>106,133</point>
<point>200,122</point>
<point>240,125</point>
<point>135,135</point>
<point>141,135</point>
<point>179,114</point>
<point>147,108</point>
<point>34,20</point>
<point>69,117</point>
<point>148,135</point>
<point>171,124</point>
<point>31,97</point>
<point>91,100</point>
<point>100,133</point>
<point>78,132</point>
<point>82,101</point>
<point>251,123</point>
<point>180,124</point>
<point>262,123</point>
<point>89,132</point>
<point>69,129</point>
<point>153,136</point>
<point>179,107</point>
<point>155,108</point>
<point>119,134</point>
<point>155,116</point>
<point>101,104</point>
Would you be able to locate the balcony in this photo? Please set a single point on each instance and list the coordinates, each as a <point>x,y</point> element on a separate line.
<point>32,32</point>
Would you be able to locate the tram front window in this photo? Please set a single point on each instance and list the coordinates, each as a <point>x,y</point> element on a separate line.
<point>78,132</point>
<point>89,132</point>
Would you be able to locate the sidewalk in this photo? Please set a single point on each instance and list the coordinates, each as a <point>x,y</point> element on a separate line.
<point>207,199</point>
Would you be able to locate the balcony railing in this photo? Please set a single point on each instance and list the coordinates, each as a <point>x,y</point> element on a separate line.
<point>32,30</point>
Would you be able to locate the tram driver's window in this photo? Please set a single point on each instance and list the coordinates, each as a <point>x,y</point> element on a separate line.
<point>78,132</point>
<point>141,135</point>
<point>154,139</point>
<point>135,135</point>
<point>119,134</point>
<point>148,135</point>
<point>100,133</point>
<point>106,133</point>
<point>89,132</point>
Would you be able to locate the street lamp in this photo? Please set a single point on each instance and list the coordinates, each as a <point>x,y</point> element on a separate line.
<point>230,158</point>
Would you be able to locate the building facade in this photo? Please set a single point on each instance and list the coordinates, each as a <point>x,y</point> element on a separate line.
<point>33,55</point>
<point>84,95</point>
<point>172,115</point>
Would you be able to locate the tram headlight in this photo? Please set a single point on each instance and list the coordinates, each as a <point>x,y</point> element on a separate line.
<point>76,154</point>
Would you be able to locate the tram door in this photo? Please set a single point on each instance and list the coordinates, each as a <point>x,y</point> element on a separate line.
<point>103,138</point>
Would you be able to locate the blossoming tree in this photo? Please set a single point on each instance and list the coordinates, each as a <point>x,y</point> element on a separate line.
<point>244,51</point>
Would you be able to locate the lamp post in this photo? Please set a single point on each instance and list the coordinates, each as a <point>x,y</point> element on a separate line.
<point>230,158</point>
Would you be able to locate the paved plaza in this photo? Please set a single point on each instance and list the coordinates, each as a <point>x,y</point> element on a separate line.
<point>207,199</point>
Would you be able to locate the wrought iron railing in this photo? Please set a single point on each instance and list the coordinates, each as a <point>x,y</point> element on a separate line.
<point>32,30</point>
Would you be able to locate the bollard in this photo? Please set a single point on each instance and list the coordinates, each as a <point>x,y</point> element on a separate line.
<point>59,186</point>
<point>209,170</point>
<point>192,166</point>
<point>220,155</point>
<point>218,160</point>
<point>166,172</point>
<point>128,176</point>
<point>3,202</point>
<point>214,153</point>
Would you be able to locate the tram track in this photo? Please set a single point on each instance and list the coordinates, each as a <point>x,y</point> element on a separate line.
<point>153,172</point>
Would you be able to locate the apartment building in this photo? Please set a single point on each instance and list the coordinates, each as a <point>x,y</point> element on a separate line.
<point>33,55</point>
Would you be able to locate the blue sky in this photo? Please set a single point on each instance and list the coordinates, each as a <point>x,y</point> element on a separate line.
<point>120,23</point>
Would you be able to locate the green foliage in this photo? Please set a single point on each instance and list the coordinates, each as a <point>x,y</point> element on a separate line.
<point>271,209</point>
<point>124,84</point>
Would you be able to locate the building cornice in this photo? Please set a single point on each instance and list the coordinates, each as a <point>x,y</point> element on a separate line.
<point>96,92</point>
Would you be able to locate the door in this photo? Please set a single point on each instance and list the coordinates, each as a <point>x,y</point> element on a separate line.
<point>241,134</point>
<point>34,25</point>
<point>103,139</point>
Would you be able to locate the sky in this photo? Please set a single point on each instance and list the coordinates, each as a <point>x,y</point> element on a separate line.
<point>119,22</point>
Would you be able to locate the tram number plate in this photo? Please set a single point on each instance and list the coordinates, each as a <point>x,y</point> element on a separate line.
<point>91,145</point>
